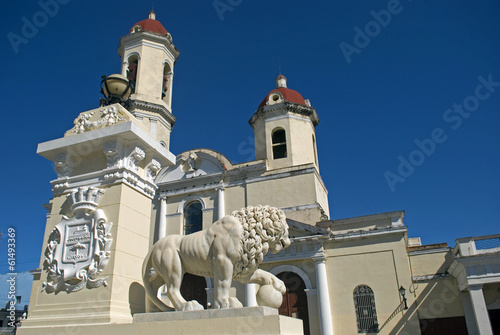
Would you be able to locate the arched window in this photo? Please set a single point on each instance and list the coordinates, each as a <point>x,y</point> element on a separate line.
<point>279,143</point>
<point>166,86</point>
<point>193,217</point>
<point>366,314</point>
<point>133,64</point>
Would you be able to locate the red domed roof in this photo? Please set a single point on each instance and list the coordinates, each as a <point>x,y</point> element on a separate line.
<point>151,24</point>
<point>288,95</point>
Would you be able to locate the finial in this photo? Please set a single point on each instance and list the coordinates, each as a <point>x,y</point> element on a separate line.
<point>152,15</point>
<point>280,81</point>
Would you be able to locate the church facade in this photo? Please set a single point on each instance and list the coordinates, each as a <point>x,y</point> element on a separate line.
<point>119,189</point>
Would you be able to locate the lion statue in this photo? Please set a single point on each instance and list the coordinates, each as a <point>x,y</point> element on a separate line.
<point>232,248</point>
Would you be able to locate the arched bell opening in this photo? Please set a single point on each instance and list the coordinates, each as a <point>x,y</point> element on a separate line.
<point>132,68</point>
<point>166,87</point>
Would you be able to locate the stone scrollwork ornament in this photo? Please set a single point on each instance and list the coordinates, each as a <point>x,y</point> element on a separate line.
<point>108,117</point>
<point>79,247</point>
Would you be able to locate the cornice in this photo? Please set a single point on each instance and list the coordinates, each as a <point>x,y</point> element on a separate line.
<point>142,37</point>
<point>361,234</point>
<point>286,107</point>
<point>152,108</point>
<point>301,248</point>
<point>204,183</point>
<point>106,177</point>
<point>365,218</point>
<point>429,251</point>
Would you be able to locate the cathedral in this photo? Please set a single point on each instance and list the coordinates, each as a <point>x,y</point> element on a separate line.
<point>119,190</point>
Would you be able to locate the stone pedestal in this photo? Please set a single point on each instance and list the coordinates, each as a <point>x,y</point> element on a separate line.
<point>99,227</point>
<point>249,320</point>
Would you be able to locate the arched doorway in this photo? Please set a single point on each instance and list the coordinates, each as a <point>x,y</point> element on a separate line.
<point>295,299</point>
<point>194,288</point>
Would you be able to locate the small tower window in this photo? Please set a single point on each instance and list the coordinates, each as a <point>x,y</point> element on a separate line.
<point>279,144</point>
<point>193,217</point>
<point>166,86</point>
<point>366,314</point>
<point>133,64</point>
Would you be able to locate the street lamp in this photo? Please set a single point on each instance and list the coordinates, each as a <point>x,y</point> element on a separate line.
<point>402,291</point>
<point>115,88</point>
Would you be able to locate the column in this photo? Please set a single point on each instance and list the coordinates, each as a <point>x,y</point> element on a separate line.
<point>480,310</point>
<point>162,223</point>
<point>250,295</point>
<point>470,319</point>
<point>221,211</point>
<point>124,69</point>
<point>325,314</point>
<point>169,92</point>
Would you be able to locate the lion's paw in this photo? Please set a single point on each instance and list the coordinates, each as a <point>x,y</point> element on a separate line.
<point>230,303</point>
<point>192,305</point>
<point>279,285</point>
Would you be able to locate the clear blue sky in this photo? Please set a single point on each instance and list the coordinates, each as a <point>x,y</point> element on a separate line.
<point>390,91</point>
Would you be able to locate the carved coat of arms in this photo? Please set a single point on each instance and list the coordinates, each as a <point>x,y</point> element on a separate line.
<point>79,247</point>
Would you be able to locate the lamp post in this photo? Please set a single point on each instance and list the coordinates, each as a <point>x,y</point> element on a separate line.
<point>402,291</point>
<point>115,88</point>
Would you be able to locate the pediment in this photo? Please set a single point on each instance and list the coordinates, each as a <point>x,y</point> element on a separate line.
<point>192,164</point>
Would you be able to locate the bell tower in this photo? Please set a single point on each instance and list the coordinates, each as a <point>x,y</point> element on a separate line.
<point>284,128</point>
<point>148,58</point>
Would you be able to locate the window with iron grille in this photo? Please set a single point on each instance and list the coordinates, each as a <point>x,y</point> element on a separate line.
<point>366,314</point>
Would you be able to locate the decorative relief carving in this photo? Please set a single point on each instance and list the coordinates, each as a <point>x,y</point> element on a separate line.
<point>79,247</point>
<point>190,165</point>
<point>323,217</point>
<point>112,154</point>
<point>130,178</point>
<point>108,117</point>
<point>135,157</point>
<point>152,170</point>
<point>62,165</point>
<point>60,186</point>
<point>110,176</point>
<point>149,189</point>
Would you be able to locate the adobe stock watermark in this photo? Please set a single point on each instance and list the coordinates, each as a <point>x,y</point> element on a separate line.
<point>30,28</point>
<point>372,29</point>
<point>223,6</point>
<point>454,118</point>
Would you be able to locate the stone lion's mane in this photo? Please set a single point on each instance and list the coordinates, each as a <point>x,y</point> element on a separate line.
<point>263,226</point>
